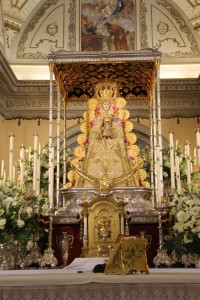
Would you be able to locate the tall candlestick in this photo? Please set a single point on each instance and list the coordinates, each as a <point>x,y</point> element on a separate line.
<point>158,177</point>
<point>29,153</point>
<point>14,171</point>
<point>4,177</point>
<point>11,155</point>
<point>122,222</point>
<point>51,177</point>
<point>171,145</point>
<point>195,157</point>
<point>176,145</point>
<point>38,177</point>
<point>2,168</point>
<point>188,165</point>
<point>178,179</point>
<point>35,161</point>
<point>22,166</point>
<point>198,146</point>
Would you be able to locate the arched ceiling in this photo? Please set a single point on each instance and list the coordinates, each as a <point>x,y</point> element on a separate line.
<point>173,26</point>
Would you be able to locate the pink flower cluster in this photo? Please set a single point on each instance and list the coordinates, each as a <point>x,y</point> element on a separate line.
<point>115,109</point>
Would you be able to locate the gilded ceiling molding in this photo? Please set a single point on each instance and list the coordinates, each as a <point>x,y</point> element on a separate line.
<point>18,4</point>
<point>30,27</point>
<point>143,11</point>
<point>184,28</point>
<point>72,26</point>
<point>194,3</point>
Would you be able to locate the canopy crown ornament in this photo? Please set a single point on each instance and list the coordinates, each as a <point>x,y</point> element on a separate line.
<point>106,90</point>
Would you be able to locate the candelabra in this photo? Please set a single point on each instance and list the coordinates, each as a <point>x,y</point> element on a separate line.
<point>34,256</point>
<point>48,258</point>
<point>162,257</point>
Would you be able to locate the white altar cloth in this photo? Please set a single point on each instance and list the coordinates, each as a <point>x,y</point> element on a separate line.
<point>57,284</point>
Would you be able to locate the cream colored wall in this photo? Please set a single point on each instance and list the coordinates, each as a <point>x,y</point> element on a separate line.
<point>24,134</point>
<point>182,132</point>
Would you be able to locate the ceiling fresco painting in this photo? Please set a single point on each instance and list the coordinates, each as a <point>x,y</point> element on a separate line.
<point>107,25</point>
<point>31,29</point>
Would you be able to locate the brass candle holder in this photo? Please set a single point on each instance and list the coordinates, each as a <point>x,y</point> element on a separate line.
<point>162,258</point>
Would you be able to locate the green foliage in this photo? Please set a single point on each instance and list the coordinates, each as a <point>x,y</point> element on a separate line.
<point>179,151</point>
<point>182,233</point>
<point>19,215</point>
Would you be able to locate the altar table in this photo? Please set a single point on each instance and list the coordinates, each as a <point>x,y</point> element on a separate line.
<point>57,284</point>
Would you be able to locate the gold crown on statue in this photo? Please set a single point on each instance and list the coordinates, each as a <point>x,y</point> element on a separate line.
<point>105,90</point>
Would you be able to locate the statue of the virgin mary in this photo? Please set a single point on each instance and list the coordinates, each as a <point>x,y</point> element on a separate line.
<point>106,145</point>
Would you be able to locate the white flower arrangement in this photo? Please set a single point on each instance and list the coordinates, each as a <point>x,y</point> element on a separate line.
<point>183,231</point>
<point>19,218</point>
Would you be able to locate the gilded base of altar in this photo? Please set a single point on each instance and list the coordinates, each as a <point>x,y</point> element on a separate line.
<point>138,200</point>
<point>104,213</point>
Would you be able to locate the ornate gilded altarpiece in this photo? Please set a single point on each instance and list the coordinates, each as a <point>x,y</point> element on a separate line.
<point>136,74</point>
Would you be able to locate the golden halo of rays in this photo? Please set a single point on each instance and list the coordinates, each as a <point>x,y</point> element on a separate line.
<point>146,184</point>
<point>91,115</point>
<point>84,127</point>
<point>120,102</point>
<point>131,137</point>
<point>86,116</point>
<point>123,114</point>
<point>72,175</point>
<point>76,163</point>
<point>81,138</point>
<point>142,174</point>
<point>92,103</point>
<point>128,126</point>
<point>138,161</point>
<point>134,150</point>
<point>79,152</point>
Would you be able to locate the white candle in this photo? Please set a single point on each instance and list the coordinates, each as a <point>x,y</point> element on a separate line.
<point>198,146</point>
<point>51,177</point>
<point>198,137</point>
<point>171,138</point>
<point>178,179</point>
<point>35,161</point>
<point>14,171</point>
<point>171,145</point>
<point>176,146</point>
<point>22,166</point>
<point>38,177</point>
<point>29,153</point>
<point>188,165</point>
<point>39,149</point>
<point>122,222</point>
<point>195,157</point>
<point>4,176</point>
<point>158,176</point>
<point>2,168</point>
<point>85,224</point>
<point>11,155</point>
